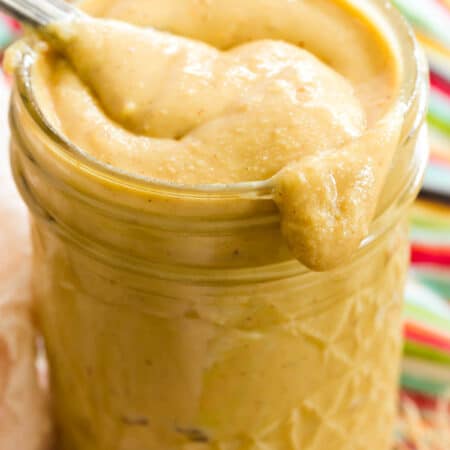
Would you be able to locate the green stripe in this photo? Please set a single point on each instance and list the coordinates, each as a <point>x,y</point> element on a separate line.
<point>5,37</point>
<point>437,122</point>
<point>433,222</point>
<point>438,281</point>
<point>424,316</point>
<point>421,351</point>
<point>441,286</point>
<point>439,114</point>
<point>426,300</point>
<point>423,385</point>
<point>426,16</point>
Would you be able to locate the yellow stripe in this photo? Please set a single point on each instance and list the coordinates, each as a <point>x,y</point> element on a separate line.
<point>432,44</point>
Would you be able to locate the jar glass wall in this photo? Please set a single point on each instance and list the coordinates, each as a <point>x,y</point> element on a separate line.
<point>176,318</point>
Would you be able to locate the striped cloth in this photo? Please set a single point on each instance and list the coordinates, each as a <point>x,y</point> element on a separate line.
<point>424,413</point>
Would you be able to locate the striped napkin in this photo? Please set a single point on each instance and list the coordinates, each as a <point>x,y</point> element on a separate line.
<point>425,406</point>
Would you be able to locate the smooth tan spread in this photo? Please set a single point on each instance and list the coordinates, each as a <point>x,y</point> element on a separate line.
<point>182,322</point>
<point>207,92</point>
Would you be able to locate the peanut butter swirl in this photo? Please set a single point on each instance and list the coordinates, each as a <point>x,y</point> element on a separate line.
<point>219,92</point>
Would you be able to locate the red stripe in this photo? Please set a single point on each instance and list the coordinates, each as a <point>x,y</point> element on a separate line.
<point>440,83</point>
<point>418,334</point>
<point>422,254</point>
<point>14,24</point>
<point>421,400</point>
<point>439,160</point>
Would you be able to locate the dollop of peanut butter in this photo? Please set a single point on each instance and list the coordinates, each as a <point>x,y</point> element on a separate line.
<point>214,92</point>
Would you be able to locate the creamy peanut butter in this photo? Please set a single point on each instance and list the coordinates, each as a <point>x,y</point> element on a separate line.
<point>177,319</point>
<point>209,92</point>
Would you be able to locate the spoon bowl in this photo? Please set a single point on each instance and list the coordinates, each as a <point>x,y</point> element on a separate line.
<point>39,13</point>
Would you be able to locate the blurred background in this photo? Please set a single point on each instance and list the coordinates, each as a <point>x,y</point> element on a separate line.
<point>424,410</point>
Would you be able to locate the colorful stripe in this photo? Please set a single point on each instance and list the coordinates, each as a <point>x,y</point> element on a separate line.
<point>9,30</point>
<point>430,17</point>
<point>430,236</point>
<point>434,278</point>
<point>439,111</point>
<point>431,255</point>
<point>425,402</point>
<point>440,83</point>
<point>420,333</point>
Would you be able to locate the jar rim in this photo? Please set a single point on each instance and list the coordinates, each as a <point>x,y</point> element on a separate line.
<point>414,101</point>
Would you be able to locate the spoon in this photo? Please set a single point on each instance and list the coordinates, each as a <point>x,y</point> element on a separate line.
<point>39,13</point>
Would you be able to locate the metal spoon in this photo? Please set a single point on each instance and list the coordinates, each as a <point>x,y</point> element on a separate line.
<point>39,13</point>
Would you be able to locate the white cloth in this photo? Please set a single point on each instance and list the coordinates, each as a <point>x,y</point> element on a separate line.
<point>24,419</point>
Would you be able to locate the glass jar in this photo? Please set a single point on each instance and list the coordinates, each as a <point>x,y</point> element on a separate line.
<point>175,317</point>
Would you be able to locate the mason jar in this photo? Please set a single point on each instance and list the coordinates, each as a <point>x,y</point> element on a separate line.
<point>175,317</point>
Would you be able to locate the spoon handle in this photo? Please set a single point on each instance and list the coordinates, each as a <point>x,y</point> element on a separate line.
<point>38,12</point>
